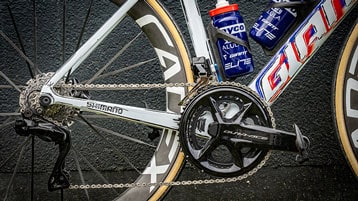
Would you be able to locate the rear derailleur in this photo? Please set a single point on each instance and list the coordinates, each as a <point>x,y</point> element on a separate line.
<point>49,132</point>
<point>49,123</point>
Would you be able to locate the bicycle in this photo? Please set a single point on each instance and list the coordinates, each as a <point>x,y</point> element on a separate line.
<point>171,50</point>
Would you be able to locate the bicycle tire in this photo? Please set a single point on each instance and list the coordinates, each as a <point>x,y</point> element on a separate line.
<point>345,100</point>
<point>164,36</point>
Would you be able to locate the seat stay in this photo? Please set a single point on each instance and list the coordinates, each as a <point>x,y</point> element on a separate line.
<point>137,114</point>
<point>88,47</point>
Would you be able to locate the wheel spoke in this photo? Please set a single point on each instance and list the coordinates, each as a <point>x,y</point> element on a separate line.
<point>34,13</point>
<point>63,32</point>
<point>81,34</point>
<point>10,82</point>
<point>19,148</point>
<point>119,53</point>
<point>10,114</point>
<point>122,70</point>
<point>15,170</point>
<point>84,25</point>
<point>7,122</point>
<point>119,135</point>
<point>32,166</point>
<point>114,147</point>
<point>20,40</point>
<point>75,151</point>
<point>3,86</point>
<point>80,171</point>
<point>22,54</point>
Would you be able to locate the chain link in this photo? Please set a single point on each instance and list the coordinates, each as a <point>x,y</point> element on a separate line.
<point>173,183</point>
<point>121,86</point>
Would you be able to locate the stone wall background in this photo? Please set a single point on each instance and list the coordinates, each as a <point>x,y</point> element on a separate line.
<point>307,103</point>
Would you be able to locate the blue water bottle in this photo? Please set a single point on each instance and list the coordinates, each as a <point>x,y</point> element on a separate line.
<point>272,25</point>
<point>236,59</point>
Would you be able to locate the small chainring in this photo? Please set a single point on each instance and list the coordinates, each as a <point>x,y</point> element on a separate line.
<point>215,152</point>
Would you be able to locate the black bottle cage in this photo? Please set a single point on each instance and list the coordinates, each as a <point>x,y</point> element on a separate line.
<point>214,34</point>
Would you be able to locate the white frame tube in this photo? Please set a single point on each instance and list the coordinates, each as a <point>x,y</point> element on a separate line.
<point>145,116</point>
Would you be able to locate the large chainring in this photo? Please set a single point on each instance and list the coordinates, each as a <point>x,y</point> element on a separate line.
<point>216,152</point>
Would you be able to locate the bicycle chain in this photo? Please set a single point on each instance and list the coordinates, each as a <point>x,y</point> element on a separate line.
<point>173,183</point>
<point>176,183</point>
<point>121,86</point>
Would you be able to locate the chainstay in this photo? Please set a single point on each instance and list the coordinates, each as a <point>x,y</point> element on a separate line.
<point>173,183</point>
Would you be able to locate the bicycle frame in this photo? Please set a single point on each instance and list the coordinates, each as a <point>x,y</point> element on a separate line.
<point>269,84</point>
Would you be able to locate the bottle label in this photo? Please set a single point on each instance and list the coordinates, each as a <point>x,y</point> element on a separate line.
<point>234,56</point>
<point>273,24</point>
<point>278,11</point>
<point>234,29</point>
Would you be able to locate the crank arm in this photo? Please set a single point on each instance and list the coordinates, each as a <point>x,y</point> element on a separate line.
<point>268,138</point>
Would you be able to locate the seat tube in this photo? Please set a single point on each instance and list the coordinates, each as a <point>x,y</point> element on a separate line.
<point>196,29</point>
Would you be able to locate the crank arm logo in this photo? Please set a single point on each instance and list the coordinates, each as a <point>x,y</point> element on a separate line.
<point>244,135</point>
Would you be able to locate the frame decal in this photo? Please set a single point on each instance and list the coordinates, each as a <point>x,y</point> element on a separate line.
<point>299,48</point>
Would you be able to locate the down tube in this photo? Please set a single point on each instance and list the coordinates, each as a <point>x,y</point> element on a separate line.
<point>300,47</point>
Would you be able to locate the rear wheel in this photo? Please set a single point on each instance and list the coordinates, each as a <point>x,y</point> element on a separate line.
<point>345,104</point>
<point>146,48</point>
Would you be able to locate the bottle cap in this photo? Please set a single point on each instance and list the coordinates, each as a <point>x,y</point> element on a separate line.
<point>223,9</point>
<point>221,3</point>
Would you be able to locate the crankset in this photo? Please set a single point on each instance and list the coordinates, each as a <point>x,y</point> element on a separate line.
<point>227,130</point>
